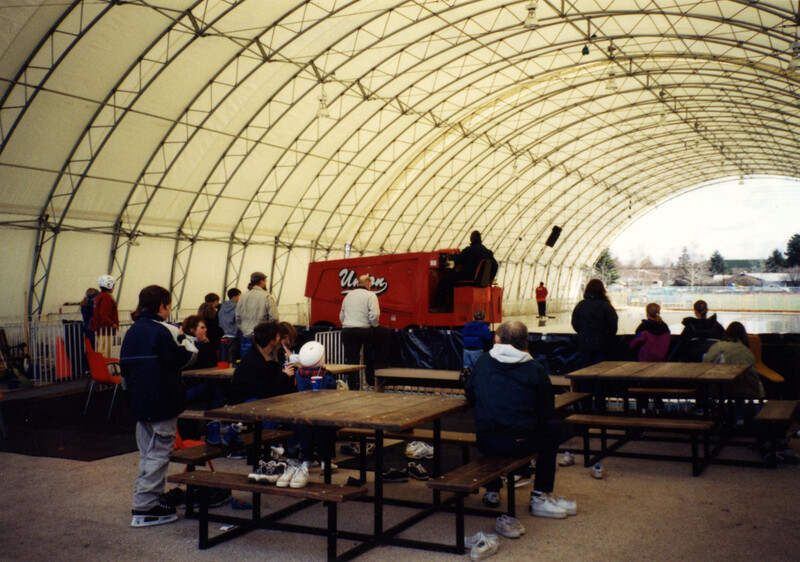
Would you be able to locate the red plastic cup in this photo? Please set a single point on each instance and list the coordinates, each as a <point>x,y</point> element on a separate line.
<point>222,365</point>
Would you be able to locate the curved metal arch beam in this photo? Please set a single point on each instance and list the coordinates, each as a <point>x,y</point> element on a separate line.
<point>640,172</point>
<point>393,54</point>
<point>618,210</point>
<point>557,165</point>
<point>674,57</point>
<point>57,51</point>
<point>523,150</point>
<point>559,133</point>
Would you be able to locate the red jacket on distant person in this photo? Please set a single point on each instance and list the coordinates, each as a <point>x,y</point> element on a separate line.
<point>541,293</point>
<point>105,312</point>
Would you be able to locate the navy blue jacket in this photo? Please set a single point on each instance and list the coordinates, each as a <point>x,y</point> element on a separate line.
<point>511,399</point>
<point>151,360</point>
<point>476,334</point>
<point>255,377</point>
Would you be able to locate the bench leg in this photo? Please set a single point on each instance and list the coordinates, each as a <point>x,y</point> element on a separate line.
<point>460,523</point>
<point>333,532</point>
<point>202,519</point>
<point>586,446</point>
<point>512,505</point>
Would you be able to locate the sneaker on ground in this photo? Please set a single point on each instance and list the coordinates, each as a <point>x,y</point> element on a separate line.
<point>417,471</point>
<point>213,433</point>
<point>483,548</point>
<point>411,447</point>
<point>237,455</point>
<point>545,506</point>
<point>571,507</point>
<point>240,504</point>
<point>334,467</point>
<point>423,451</point>
<point>216,497</point>
<point>174,497</point>
<point>157,515</point>
<point>232,437</point>
<point>351,449</point>
<point>567,459</point>
<point>491,499</point>
<point>508,526</point>
<point>597,471</point>
<point>314,466</point>
<point>394,475</point>
<point>520,481</point>
<point>469,542</point>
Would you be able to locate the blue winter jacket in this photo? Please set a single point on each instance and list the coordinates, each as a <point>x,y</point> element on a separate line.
<point>476,334</point>
<point>151,359</point>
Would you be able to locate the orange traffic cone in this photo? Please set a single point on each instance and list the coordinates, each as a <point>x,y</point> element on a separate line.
<point>63,368</point>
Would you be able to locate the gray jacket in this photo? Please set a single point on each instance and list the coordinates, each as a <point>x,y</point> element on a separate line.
<point>360,309</point>
<point>255,306</point>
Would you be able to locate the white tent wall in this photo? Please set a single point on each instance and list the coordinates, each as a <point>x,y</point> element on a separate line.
<point>16,251</point>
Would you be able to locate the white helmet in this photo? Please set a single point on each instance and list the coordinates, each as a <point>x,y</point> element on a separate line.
<point>312,354</point>
<point>106,282</point>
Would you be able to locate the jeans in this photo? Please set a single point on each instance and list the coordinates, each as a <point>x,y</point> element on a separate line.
<point>471,356</point>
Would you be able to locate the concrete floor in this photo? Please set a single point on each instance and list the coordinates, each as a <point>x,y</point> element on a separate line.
<point>54,509</point>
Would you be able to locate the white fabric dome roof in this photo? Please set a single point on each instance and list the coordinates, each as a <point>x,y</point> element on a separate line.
<point>180,142</point>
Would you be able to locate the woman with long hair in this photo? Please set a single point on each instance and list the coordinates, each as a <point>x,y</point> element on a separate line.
<point>595,321</point>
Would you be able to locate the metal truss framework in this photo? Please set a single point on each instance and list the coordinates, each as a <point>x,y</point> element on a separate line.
<point>399,125</point>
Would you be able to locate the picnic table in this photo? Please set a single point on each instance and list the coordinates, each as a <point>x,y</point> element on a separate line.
<point>334,409</point>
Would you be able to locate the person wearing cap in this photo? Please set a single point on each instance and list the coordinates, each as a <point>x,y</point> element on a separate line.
<point>476,337</point>
<point>359,316</point>
<point>105,318</point>
<point>254,307</point>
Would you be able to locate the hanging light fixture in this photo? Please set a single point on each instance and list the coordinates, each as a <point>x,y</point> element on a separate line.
<point>322,111</point>
<point>611,84</point>
<point>794,63</point>
<point>532,20</point>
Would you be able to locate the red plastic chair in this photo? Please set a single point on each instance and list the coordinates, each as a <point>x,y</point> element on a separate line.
<point>99,371</point>
<point>181,443</point>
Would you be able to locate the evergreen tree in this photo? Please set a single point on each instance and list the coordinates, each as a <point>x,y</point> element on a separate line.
<point>683,273</point>
<point>607,268</point>
<point>793,251</point>
<point>716,263</point>
<point>775,262</point>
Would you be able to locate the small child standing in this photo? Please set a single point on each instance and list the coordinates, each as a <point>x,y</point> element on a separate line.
<point>311,357</point>
<point>476,336</point>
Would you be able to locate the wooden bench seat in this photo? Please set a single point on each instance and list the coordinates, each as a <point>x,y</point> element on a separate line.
<point>331,494</point>
<point>469,478</point>
<point>201,454</point>
<point>694,427</point>
<point>777,418</point>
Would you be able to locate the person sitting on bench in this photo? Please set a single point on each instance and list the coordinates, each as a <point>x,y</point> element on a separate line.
<point>514,401</point>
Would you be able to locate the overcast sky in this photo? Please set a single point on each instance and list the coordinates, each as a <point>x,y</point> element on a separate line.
<point>741,221</point>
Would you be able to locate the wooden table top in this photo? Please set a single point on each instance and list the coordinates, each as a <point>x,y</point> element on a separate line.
<point>403,373</point>
<point>345,408</point>
<point>659,372</point>
<point>227,373</point>
<point>209,373</point>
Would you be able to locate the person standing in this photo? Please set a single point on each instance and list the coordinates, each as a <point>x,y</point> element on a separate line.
<point>254,307</point>
<point>105,318</point>
<point>359,316</point>
<point>151,358</point>
<point>513,400</point>
<point>541,299</point>
<point>227,322</point>
<point>595,322</point>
